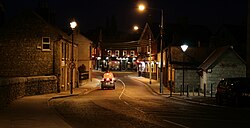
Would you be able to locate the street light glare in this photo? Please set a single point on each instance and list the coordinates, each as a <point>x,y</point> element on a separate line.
<point>141,7</point>
<point>184,47</point>
<point>136,28</point>
<point>73,24</point>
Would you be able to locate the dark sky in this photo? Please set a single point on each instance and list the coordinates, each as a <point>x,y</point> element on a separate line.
<point>94,13</point>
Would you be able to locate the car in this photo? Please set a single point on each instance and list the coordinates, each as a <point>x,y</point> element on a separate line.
<point>108,80</point>
<point>233,90</point>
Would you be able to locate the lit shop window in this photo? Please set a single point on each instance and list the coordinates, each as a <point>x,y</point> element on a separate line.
<point>117,53</point>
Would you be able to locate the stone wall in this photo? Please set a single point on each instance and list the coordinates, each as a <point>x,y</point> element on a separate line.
<point>191,78</point>
<point>21,47</point>
<point>17,87</point>
<point>229,66</point>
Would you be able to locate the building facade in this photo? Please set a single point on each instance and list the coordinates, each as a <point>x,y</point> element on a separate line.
<point>36,56</point>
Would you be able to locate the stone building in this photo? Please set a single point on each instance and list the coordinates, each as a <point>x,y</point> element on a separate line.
<point>182,67</point>
<point>200,67</point>
<point>222,63</point>
<point>28,47</point>
<point>36,56</point>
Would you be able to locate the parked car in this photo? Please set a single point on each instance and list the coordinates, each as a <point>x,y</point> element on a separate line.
<point>108,80</point>
<point>233,90</point>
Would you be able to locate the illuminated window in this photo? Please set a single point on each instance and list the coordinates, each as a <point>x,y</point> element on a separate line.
<point>117,53</point>
<point>132,53</point>
<point>109,52</point>
<point>46,44</point>
<point>125,53</point>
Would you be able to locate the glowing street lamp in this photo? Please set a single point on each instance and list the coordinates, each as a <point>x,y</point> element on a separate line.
<point>73,25</point>
<point>184,48</point>
<point>136,28</point>
<point>142,7</point>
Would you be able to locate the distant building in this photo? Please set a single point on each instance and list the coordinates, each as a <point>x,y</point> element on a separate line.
<point>120,56</point>
<point>147,53</point>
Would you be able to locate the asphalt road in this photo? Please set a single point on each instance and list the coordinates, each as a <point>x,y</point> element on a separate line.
<point>134,105</point>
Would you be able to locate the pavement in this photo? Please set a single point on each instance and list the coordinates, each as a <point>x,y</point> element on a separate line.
<point>193,97</point>
<point>33,111</point>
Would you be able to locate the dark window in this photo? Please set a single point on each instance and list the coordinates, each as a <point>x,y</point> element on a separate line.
<point>46,43</point>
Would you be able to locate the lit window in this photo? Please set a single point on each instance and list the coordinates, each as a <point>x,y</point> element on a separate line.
<point>109,52</point>
<point>46,44</point>
<point>132,53</point>
<point>117,53</point>
<point>124,52</point>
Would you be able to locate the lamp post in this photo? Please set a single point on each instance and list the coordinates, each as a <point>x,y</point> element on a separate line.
<point>73,25</point>
<point>142,7</point>
<point>150,59</point>
<point>184,48</point>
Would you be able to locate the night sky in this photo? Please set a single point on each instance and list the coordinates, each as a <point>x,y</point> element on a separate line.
<point>94,13</point>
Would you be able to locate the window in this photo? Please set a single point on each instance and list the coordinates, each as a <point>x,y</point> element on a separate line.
<point>138,49</point>
<point>63,51</point>
<point>148,50</point>
<point>124,52</point>
<point>117,53</point>
<point>132,53</point>
<point>109,52</point>
<point>46,44</point>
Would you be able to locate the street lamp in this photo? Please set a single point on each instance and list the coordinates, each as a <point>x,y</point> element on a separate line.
<point>136,28</point>
<point>184,48</point>
<point>142,7</point>
<point>150,58</point>
<point>73,25</point>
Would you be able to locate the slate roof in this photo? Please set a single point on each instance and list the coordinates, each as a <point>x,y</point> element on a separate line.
<point>193,56</point>
<point>215,55</point>
<point>29,24</point>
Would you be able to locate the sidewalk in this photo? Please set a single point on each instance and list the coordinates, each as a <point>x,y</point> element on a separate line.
<point>193,98</point>
<point>34,111</point>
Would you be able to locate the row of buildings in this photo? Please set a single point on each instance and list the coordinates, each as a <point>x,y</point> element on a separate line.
<point>207,60</point>
<point>35,56</point>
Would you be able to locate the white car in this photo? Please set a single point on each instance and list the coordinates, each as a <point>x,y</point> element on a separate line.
<point>108,80</point>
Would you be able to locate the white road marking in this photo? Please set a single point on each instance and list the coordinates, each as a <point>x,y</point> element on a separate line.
<point>175,124</point>
<point>123,90</point>
<point>122,93</point>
